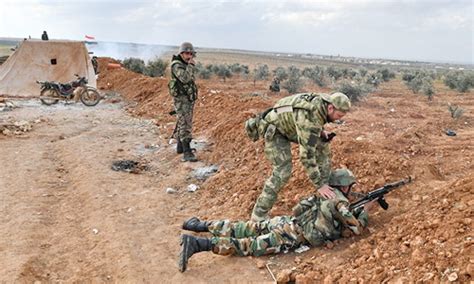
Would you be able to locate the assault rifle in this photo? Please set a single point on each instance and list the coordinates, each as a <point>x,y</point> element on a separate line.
<point>379,195</point>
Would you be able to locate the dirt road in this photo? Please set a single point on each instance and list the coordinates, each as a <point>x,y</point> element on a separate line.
<point>65,215</point>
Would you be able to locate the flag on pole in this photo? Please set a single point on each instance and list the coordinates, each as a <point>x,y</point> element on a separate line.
<point>89,37</point>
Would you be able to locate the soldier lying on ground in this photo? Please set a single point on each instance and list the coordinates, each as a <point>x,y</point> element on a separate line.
<point>315,221</point>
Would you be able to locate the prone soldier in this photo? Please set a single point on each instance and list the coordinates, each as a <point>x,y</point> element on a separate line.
<point>314,222</point>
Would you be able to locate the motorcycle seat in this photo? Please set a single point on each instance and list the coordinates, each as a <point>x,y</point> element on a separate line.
<point>65,87</point>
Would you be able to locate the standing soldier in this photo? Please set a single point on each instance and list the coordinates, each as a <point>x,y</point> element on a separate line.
<point>184,91</point>
<point>95,64</point>
<point>44,36</point>
<point>275,85</point>
<point>300,119</point>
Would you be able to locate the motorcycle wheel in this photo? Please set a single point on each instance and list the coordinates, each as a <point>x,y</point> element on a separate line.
<point>90,97</point>
<point>48,96</point>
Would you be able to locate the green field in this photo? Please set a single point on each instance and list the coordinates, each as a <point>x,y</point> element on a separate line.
<point>5,50</point>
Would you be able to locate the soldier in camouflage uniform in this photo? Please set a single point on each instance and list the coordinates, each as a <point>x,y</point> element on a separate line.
<point>95,64</point>
<point>184,91</point>
<point>275,85</point>
<point>314,222</point>
<point>300,119</point>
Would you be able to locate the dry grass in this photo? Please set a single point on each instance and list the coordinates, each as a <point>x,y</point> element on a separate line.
<point>253,59</point>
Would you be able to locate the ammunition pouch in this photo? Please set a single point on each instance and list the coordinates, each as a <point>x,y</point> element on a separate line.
<point>173,87</point>
<point>193,93</point>
<point>176,88</point>
<point>306,210</point>
<point>256,127</point>
<point>270,132</point>
<point>251,128</point>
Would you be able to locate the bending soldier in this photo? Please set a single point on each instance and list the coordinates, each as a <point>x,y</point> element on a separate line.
<point>184,91</point>
<point>300,119</point>
<point>315,221</point>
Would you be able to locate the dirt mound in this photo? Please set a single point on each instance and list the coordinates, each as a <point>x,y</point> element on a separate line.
<point>432,243</point>
<point>150,94</point>
<point>427,232</point>
<point>3,59</point>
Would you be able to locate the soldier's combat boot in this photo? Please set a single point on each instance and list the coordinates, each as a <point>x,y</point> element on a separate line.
<point>179,147</point>
<point>196,225</point>
<point>188,152</point>
<point>189,246</point>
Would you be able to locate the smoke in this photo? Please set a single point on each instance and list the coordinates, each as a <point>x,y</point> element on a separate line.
<point>118,50</point>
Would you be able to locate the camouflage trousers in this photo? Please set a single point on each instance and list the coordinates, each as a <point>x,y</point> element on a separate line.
<point>255,238</point>
<point>278,152</point>
<point>184,112</point>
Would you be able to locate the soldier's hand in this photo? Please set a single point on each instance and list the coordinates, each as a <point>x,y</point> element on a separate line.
<point>325,134</point>
<point>327,192</point>
<point>191,61</point>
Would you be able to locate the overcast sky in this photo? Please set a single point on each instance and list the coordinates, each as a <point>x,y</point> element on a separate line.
<point>436,30</point>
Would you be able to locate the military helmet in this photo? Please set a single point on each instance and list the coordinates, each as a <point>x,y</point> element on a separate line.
<point>186,47</point>
<point>339,101</point>
<point>341,177</point>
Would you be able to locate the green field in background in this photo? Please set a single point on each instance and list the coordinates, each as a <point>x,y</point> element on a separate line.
<point>5,50</point>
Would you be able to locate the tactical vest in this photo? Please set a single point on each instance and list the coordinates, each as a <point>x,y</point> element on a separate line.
<point>177,88</point>
<point>281,115</point>
<point>306,210</point>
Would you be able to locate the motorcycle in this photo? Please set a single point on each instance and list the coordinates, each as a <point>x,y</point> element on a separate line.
<point>52,92</point>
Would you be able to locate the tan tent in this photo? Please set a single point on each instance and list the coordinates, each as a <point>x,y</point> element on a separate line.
<point>52,60</point>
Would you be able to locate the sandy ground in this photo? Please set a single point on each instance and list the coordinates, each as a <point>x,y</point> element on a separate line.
<point>67,216</point>
<point>425,236</point>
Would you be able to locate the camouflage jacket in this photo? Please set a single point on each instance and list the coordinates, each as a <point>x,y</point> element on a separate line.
<point>301,119</point>
<point>325,219</point>
<point>182,79</point>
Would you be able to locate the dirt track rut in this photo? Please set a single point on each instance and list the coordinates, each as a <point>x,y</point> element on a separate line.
<point>66,216</point>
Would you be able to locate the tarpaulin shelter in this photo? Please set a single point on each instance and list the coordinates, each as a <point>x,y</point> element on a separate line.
<point>52,60</point>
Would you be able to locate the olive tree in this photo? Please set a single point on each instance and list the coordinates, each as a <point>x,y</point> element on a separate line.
<point>294,83</point>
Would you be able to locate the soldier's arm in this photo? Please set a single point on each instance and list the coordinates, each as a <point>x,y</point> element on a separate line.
<point>355,224</point>
<point>363,218</point>
<point>184,74</point>
<point>323,159</point>
<point>362,214</point>
<point>308,132</point>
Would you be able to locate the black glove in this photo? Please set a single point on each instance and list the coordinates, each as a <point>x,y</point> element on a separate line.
<point>329,138</point>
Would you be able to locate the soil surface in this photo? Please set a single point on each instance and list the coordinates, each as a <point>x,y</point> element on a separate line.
<point>67,216</point>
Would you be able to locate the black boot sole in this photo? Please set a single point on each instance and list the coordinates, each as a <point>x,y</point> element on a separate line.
<point>183,261</point>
